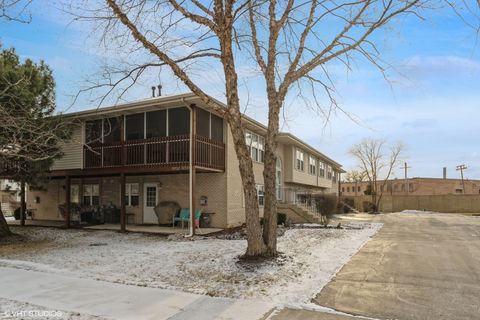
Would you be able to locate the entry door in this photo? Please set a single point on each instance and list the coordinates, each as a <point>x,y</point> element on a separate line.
<point>150,192</point>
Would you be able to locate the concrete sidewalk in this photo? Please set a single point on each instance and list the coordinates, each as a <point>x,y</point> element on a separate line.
<point>118,301</point>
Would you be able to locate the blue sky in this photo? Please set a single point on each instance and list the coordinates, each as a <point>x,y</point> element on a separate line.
<point>431,102</point>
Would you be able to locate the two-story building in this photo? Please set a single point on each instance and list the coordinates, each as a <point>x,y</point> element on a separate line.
<point>142,151</point>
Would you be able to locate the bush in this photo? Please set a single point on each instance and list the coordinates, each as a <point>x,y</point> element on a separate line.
<point>281,218</point>
<point>326,205</point>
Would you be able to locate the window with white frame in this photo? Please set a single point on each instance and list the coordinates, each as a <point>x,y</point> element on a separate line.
<point>132,195</point>
<point>256,145</point>
<point>261,194</point>
<point>300,155</point>
<point>321,169</point>
<point>334,177</point>
<point>91,194</point>
<point>312,165</point>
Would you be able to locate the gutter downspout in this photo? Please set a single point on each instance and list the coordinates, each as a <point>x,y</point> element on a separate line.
<point>190,173</point>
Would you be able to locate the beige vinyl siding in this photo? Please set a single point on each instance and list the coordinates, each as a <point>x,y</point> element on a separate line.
<point>73,151</point>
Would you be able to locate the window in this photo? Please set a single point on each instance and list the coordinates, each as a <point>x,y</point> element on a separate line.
<point>217,128</point>
<point>203,123</point>
<point>93,131</point>
<point>261,195</point>
<point>312,167</point>
<point>178,121</point>
<point>329,172</point>
<point>131,194</point>
<point>278,167</point>
<point>348,189</point>
<point>299,156</point>
<point>75,193</point>
<point>134,126</point>
<point>334,177</point>
<point>321,169</point>
<point>111,130</point>
<point>360,189</point>
<point>156,123</point>
<point>91,194</point>
<point>256,145</point>
<point>343,189</point>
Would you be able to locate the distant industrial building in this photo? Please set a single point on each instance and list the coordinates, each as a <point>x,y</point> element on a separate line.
<point>414,186</point>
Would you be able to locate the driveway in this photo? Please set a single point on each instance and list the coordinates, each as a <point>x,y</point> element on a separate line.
<point>419,266</point>
<point>118,301</point>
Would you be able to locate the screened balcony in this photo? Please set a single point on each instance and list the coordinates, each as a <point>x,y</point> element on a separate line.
<point>159,138</point>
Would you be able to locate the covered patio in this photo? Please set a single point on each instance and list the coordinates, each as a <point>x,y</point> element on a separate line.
<point>138,228</point>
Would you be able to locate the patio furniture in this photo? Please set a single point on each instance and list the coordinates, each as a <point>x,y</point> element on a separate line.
<point>184,215</point>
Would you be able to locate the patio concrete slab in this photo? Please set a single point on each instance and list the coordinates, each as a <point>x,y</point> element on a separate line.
<point>152,229</point>
<point>37,223</point>
<point>118,301</point>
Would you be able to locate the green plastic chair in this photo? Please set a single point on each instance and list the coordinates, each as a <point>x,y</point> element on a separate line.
<point>184,216</point>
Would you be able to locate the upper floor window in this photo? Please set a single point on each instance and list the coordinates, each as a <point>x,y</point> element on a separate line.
<point>93,131</point>
<point>156,124</point>
<point>334,177</point>
<point>312,166</point>
<point>261,194</point>
<point>299,157</point>
<point>256,145</point>
<point>178,121</point>
<point>209,125</point>
<point>321,169</point>
<point>112,130</point>
<point>329,172</point>
<point>135,126</point>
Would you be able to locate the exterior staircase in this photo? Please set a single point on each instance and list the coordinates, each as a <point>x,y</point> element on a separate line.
<point>352,209</point>
<point>299,213</point>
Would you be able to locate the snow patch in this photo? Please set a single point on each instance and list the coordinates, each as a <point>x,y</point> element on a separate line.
<point>309,259</point>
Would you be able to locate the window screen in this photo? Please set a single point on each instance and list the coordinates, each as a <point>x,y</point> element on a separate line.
<point>203,123</point>
<point>156,124</point>
<point>217,128</point>
<point>134,126</point>
<point>111,130</point>
<point>93,131</point>
<point>178,121</point>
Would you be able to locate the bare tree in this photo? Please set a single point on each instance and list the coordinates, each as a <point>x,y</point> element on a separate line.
<point>15,10</point>
<point>295,44</point>
<point>156,30</point>
<point>355,176</point>
<point>287,39</point>
<point>377,163</point>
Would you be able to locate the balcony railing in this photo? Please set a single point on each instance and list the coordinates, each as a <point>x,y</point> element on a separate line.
<point>172,151</point>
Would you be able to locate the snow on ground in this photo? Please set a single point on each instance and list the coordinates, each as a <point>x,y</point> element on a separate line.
<point>10,309</point>
<point>417,211</point>
<point>310,259</point>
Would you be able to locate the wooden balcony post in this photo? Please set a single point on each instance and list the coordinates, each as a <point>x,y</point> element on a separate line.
<point>122,203</point>
<point>67,202</point>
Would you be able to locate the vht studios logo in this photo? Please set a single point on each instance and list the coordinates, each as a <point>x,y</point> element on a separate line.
<point>40,314</point>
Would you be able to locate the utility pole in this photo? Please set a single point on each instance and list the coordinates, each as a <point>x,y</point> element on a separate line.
<point>406,167</point>
<point>461,168</point>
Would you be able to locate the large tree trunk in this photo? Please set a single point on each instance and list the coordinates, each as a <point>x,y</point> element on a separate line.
<point>23,204</point>
<point>4,229</point>
<point>270,177</point>
<point>255,246</point>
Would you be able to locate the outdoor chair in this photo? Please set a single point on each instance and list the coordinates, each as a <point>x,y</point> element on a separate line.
<point>184,215</point>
